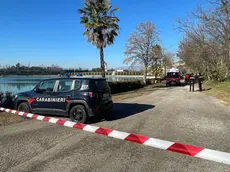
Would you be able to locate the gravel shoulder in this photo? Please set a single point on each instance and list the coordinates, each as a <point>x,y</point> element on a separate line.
<point>172,114</point>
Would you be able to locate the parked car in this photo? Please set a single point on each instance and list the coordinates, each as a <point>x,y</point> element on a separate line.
<point>79,98</point>
<point>173,78</point>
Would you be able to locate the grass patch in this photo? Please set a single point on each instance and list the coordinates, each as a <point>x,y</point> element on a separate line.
<point>8,118</point>
<point>138,92</point>
<point>219,90</point>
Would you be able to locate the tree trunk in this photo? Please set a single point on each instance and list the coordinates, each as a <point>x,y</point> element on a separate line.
<point>102,62</point>
<point>156,71</point>
<point>145,73</point>
<point>165,70</point>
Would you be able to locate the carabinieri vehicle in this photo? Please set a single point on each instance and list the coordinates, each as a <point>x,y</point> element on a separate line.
<point>79,98</point>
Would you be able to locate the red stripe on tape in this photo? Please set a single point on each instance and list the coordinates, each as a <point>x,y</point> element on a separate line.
<point>103,131</point>
<point>10,111</point>
<point>136,138</point>
<point>25,114</point>
<point>34,116</point>
<point>17,113</point>
<point>60,122</point>
<point>185,149</point>
<point>46,119</point>
<point>79,126</point>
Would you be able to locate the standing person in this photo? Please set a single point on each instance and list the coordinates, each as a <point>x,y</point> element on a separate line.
<point>200,82</point>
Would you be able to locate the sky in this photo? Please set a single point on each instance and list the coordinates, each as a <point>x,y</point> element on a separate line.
<point>49,31</point>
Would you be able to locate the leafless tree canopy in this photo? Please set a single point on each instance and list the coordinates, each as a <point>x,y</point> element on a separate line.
<point>142,46</point>
<point>205,47</point>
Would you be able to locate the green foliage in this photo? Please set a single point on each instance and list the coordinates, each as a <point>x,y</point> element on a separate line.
<point>101,26</point>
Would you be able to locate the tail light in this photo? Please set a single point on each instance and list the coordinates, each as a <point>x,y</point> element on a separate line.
<point>91,94</point>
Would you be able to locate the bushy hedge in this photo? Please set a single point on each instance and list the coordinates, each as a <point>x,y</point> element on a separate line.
<point>122,86</point>
<point>6,100</point>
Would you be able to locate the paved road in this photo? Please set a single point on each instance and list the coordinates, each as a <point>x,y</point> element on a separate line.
<point>171,114</point>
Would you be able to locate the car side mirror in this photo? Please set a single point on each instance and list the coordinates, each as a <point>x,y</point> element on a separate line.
<point>37,90</point>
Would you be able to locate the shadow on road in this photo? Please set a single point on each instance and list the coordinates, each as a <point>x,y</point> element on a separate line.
<point>182,84</point>
<point>204,89</point>
<point>123,110</point>
<point>120,110</point>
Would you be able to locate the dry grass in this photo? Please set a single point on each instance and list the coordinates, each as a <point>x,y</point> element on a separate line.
<point>8,118</point>
<point>219,90</point>
<point>138,92</point>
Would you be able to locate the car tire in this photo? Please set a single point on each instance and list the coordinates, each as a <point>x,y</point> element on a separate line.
<point>78,114</point>
<point>24,107</point>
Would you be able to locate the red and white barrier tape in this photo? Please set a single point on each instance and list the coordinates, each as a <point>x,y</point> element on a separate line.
<point>208,154</point>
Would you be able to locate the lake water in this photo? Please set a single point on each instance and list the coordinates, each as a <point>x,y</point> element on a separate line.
<point>17,84</point>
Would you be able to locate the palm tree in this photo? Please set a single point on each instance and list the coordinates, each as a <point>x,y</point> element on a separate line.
<point>101,26</point>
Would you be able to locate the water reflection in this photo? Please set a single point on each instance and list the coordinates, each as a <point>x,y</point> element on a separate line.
<point>17,87</point>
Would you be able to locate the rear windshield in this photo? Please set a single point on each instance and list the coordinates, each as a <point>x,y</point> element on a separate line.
<point>173,75</point>
<point>101,84</point>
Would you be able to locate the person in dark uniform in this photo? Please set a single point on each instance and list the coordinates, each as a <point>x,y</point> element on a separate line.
<point>200,81</point>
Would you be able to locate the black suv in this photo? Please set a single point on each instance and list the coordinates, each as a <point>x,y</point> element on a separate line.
<point>78,98</point>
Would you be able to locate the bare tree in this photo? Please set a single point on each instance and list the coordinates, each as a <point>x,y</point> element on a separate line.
<point>156,54</point>
<point>167,60</point>
<point>206,44</point>
<point>139,47</point>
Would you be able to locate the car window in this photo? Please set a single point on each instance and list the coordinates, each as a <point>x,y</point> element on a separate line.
<point>77,85</point>
<point>101,84</point>
<point>47,85</point>
<point>173,74</point>
<point>65,85</point>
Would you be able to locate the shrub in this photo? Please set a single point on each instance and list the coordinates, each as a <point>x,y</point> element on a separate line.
<point>122,86</point>
<point>6,100</point>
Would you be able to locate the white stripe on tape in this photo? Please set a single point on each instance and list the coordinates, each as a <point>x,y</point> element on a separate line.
<point>213,155</point>
<point>53,120</point>
<point>90,128</point>
<point>21,113</point>
<point>40,117</point>
<point>118,134</point>
<point>14,111</point>
<point>29,115</point>
<point>161,144</point>
<point>69,124</point>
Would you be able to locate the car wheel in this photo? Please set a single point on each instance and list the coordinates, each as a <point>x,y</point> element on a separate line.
<point>78,114</point>
<point>24,107</point>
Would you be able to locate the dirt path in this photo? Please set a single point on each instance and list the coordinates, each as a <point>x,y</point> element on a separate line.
<point>171,114</point>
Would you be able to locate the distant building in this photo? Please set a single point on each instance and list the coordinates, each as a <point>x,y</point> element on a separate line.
<point>119,70</point>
